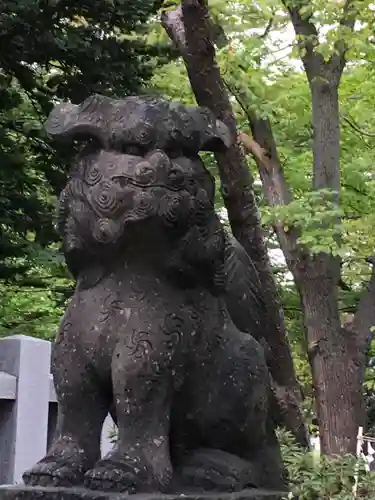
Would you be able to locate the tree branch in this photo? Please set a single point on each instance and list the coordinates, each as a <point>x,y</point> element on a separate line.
<point>264,155</point>
<point>268,28</point>
<point>302,24</point>
<point>349,15</point>
<point>308,39</point>
<point>357,128</point>
<point>173,24</point>
<point>307,35</point>
<point>275,188</point>
<point>361,329</point>
<point>347,21</point>
<point>254,149</point>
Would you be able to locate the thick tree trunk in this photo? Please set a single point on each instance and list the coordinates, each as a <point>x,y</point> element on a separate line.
<point>189,28</point>
<point>333,358</point>
<point>336,354</point>
<point>332,351</point>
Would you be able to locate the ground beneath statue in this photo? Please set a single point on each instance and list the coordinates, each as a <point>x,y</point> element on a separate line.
<point>39,493</point>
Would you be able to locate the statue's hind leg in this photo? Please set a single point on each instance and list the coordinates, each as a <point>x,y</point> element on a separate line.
<point>257,441</point>
<point>231,409</point>
<point>82,410</point>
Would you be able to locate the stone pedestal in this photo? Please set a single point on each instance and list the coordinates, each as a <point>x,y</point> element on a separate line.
<point>39,493</point>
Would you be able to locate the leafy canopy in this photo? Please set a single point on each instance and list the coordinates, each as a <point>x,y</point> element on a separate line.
<point>52,50</point>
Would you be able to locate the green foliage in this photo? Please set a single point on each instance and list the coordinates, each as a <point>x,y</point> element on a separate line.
<point>261,67</point>
<point>370,409</point>
<point>51,51</point>
<point>317,217</point>
<point>278,90</point>
<point>32,302</point>
<point>66,50</point>
<point>171,80</point>
<point>113,434</point>
<point>316,477</point>
<point>29,311</point>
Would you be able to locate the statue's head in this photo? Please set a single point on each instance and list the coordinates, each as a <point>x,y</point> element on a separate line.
<point>109,192</point>
<point>139,179</point>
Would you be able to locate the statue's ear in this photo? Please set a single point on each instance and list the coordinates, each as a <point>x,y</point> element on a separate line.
<point>87,120</point>
<point>214,135</point>
<point>217,138</point>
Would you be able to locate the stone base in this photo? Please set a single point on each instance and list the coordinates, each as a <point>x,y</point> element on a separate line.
<point>39,493</point>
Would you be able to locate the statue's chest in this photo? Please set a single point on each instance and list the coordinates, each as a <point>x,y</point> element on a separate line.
<point>144,307</point>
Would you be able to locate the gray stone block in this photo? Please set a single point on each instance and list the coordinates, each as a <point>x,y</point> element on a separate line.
<point>39,493</point>
<point>24,361</point>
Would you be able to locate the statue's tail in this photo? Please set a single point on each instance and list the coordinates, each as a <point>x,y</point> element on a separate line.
<point>244,295</point>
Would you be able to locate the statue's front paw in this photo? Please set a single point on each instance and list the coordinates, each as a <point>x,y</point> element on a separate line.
<point>65,465</point>
<point>121,472</point>
<point>53,473</point>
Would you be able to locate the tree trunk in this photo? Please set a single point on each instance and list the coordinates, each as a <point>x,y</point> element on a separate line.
<point>361,330</point>
<point>336,354</point>
<point>332,350</point>
<point>326,130</point>
<point>332,355</point>
<point>189,28</point>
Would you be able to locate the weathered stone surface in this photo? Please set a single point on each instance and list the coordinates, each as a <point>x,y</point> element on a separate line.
<point>155,331</point>
<point>40,493</point>
<point>146,123</point>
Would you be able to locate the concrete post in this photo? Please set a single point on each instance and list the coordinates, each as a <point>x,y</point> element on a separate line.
<point>24,422</point>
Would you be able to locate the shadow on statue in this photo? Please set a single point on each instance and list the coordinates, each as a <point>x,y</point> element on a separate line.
<point>153,333</point>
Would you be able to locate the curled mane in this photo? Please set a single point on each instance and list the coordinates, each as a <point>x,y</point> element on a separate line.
<point>178,194</point>
<point>200,254</point>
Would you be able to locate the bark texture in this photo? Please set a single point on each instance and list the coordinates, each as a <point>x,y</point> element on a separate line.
<point>190,29</point>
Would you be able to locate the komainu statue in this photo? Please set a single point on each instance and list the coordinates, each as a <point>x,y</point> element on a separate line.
<point>150,334</point>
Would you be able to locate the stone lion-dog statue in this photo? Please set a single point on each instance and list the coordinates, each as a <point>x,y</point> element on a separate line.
<point>151,334</point>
